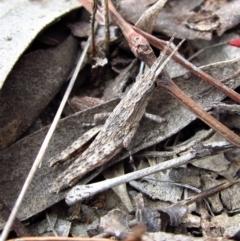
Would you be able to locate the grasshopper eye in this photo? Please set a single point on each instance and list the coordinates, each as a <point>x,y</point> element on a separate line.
<point>150,87</point>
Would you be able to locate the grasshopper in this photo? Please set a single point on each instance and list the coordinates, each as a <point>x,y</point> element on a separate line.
<point>118,130</point>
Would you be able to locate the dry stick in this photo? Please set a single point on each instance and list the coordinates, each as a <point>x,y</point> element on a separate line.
<point>58,239</point>
<point>94,7</point>
<point>106,21</point>
<point>138,44</point>
<point>88,6</point>
<point>203,195</point>
<point>205,48</point>
<point>169,86</point>
<point>160,44</point>
<point>82,192</point>
<point>44,146</point>
<point>208,192</point>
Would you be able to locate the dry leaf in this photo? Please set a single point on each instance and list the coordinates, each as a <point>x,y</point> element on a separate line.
<point>20,24</point>
<point>32,84</point>
<point>115,223</point>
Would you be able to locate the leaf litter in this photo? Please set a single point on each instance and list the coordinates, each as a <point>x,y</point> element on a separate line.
<point>16,160</point>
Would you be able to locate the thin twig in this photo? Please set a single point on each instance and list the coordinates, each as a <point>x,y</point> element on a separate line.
<point>176,150</point>
<point>44,146</point>
<point>226,107</point>
<point>51,226</point>
<point>58,239</point>
<point>204,49</point>
<point>106,20</point>
<point>169,86</point>
<point>138,43</point>
<point>209,192</point>
<point>82,192</point>
<point>94,10</point>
